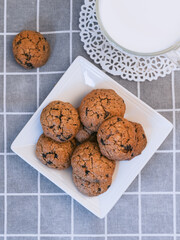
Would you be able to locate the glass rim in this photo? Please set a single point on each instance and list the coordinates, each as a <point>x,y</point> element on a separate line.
<point>118,46</point>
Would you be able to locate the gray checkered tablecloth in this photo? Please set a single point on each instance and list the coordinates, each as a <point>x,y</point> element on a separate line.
<point>31,207</point>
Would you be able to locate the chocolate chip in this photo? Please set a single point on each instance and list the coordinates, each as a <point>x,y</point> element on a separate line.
<point>87,172</point>
<point>51,127</point>
<point>19,42</point>
<point>61,139</point>
<point>132,154</point>
<point>83,166</point>
<point>119,119</point>
<point>97,115</point>
<point>99,189</point>
<point>108,186</point>
<point>44,48</point>
<point>136,130</point>
<point>55,155</point>
<point>29,65</point>
<point>143,136</point>
<point>107,175</point>
<point>87,111</point>
<point>28,57</point>
<point>128,148</point>
<point>49,162</point>
<point>44,155</point>
<point>102,141</point>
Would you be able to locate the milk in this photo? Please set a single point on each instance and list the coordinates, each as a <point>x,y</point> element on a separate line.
<point>144,26</point>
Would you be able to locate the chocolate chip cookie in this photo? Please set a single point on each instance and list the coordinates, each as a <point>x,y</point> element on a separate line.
<point>99,105</point>
<point>31,49</point>
<point>90,188</point>
<point>89,164</point>
<point>141,140</point>
<point>60,121</point>
<point>117,139</point>
<point>54,154</point>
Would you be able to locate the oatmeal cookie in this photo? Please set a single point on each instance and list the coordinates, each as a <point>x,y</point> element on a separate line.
<point>54,154</point>
<point>99,105</point>
<point>31,49</point>
<point>60,121</point>
<point>89,164</point>
<point>116,138</point>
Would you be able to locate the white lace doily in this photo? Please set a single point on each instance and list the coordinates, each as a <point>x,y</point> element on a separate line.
<point>114,61</point>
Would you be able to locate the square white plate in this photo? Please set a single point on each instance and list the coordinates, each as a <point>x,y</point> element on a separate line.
<point>79,79</point>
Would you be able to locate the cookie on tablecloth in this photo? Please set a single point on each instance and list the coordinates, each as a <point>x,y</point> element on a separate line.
<point>31,49</point>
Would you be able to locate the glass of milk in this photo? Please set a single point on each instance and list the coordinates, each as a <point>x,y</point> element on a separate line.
<point>142,27</point>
